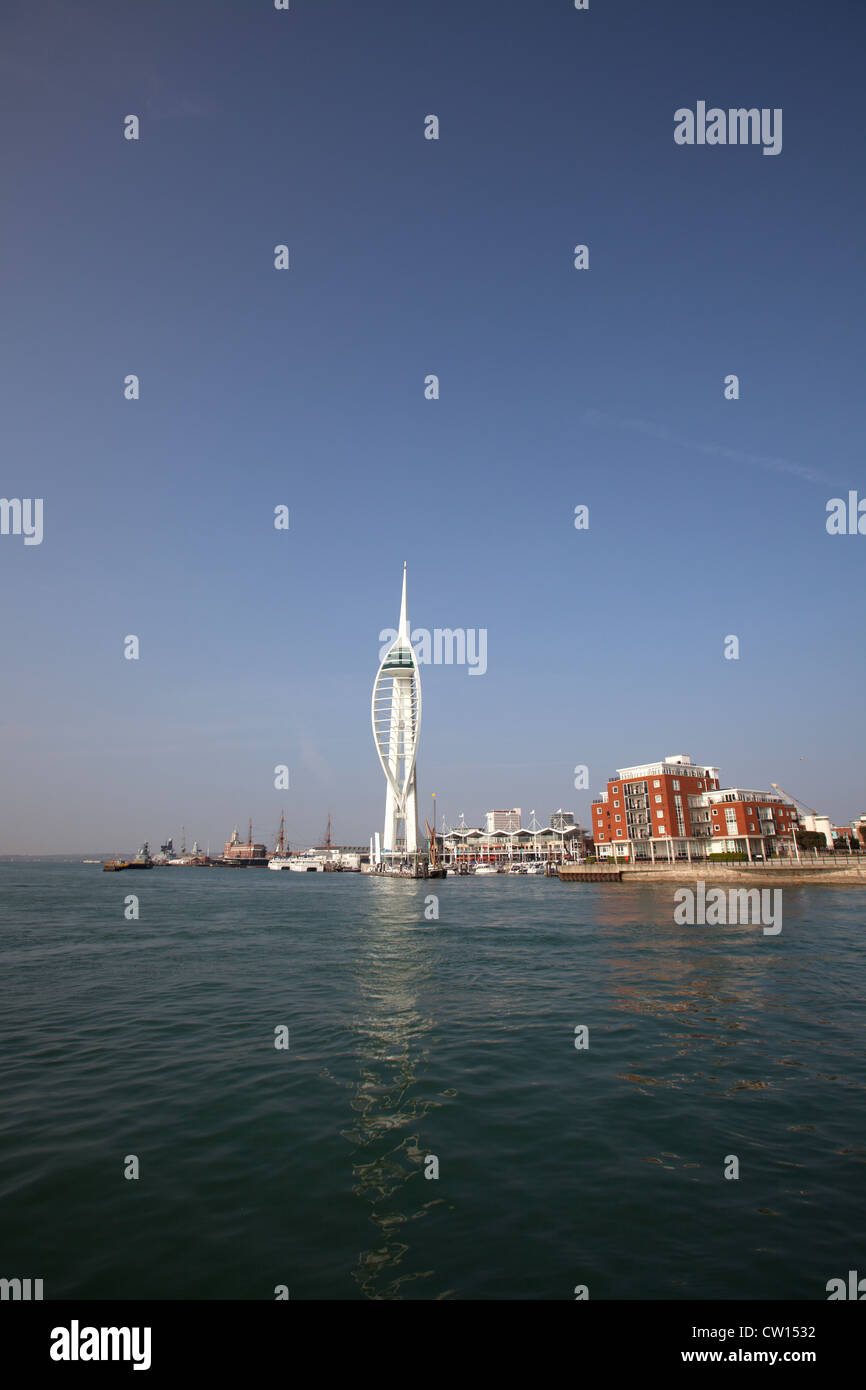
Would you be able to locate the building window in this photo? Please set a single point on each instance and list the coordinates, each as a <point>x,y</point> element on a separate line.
<point>676,785</point>
<point>656,782</point>
<point>601,835</point>
<point>658,798</point>
<point>660,813</point>
<point>619,832</point>
<point>614,789</point>
<point>617,817</point>
<point>662,830</point>
<point>616,803</point>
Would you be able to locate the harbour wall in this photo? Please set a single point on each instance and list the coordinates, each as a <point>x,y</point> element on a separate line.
<point>758,874</point>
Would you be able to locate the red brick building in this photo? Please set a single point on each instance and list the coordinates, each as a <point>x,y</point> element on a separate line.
<point>749,814</point>
<point>676,809</point>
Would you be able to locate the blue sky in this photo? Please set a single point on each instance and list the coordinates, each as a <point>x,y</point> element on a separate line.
<point>306,387</point>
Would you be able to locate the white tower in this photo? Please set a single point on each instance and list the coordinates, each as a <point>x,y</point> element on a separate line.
<point>396,713</point>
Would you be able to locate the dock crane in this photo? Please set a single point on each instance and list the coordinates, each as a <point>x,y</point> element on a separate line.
<point>800,808</point>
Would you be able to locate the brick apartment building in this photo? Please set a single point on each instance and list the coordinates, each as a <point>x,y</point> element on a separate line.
<point>676,809</point>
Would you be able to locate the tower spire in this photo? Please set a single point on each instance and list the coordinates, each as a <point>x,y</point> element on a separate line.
<point>403,630</point>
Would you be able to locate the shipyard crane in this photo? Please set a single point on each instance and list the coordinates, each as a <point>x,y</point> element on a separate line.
<point>800,806</point>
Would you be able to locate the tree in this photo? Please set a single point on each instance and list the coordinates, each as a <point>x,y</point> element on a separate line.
<point>811,839</point>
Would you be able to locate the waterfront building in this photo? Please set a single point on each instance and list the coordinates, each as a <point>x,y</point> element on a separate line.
<point>847,834</point>
<point>249,854</point>
<point>396,715</point>
<point>503,820</point>
<point>753,816</point>
<point>676,809</point>
<point>464,845</point>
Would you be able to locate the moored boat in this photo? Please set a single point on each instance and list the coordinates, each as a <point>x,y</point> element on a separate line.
<point>307,863</point>
<point>142,860</point>
<point>280,859</point>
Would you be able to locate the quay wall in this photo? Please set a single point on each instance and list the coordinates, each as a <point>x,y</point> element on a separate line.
<point>758,874</point>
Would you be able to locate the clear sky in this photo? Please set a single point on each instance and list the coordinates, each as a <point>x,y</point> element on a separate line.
<point>305,387</point>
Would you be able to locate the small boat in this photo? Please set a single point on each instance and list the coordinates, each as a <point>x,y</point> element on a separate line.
<point>486,869</point>
<point>113,866</point>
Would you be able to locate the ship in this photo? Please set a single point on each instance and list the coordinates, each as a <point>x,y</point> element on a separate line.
<point>326,859</point>
<point>187,858</point>
<point>310,862</point>
<point>313,861</point>
<point>142,860</point>
<point>281,858</point>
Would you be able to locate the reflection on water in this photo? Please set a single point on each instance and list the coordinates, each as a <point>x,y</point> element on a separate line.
<point>389,1103</point>
<point>724,991</point>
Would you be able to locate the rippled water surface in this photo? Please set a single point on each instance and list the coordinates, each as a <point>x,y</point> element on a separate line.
<point>412,1037</point>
